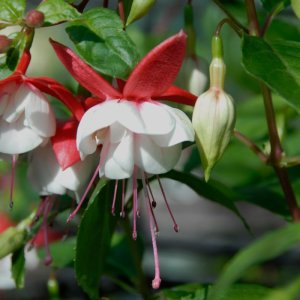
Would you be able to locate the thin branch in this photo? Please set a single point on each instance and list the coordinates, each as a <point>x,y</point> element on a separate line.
<point>230,15</point>
<point>251,145</point>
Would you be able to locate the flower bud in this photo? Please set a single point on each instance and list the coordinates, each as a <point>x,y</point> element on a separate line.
<point>138,9</point>
<point>5,43</point>
<point>34,18</point>
<point>213,118</point>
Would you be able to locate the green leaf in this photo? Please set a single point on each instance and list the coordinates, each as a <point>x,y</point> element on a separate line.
<point>277,64</point>
<point>296,7</point>
<point>213,190</point>
<point>199,292</point>
<point>94,239</point>
<point>272,4</point>
<point>62,253</point>
<point>15,51</point>
<point>56,11</point>
<point>11,240</point>
<point>100,39</point>
<point>266,248</point>
<point>290,292</point>
<point>18,267</point>
<point>11,10</point>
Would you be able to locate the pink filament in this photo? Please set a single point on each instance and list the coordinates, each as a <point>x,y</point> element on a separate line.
<point>175,225</point>
<point>157,280</point>
<point>122,214</point>
<point>135,199</point>
<point>47,209</point>
<point>113,208</point>
<point>12,179</point>
<point>150,199</point>
<point>102,160</point>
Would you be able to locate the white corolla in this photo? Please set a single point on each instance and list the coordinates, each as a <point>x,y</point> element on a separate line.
<point>147,135</point>
<point>48,178</point>
<point>26,118</point>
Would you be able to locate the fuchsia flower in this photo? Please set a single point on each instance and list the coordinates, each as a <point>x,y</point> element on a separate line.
<point>139,135</point>
<point>71,175</point>
<point>26,117</point>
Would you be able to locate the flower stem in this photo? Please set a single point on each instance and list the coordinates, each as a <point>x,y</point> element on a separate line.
<point>251,145</point>
<point>252,18</point>
<point>276,154</point>
<point>276,148</point>
<point>142,285</point>
<point>230,16</point>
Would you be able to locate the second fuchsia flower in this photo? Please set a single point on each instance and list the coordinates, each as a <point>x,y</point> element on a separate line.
<point>139,135</point>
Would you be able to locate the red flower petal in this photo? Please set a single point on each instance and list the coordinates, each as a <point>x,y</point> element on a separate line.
<point>64,144</point>
<point>158,69</point>
<point>55,89</point>
<point>178,95</point>
<point>84,74</point>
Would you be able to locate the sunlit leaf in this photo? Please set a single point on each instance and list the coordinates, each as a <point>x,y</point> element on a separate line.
<point>57,11</point>
<point>11,11</point>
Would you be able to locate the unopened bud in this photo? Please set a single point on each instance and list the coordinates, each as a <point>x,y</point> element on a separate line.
<point>5,43</point>
<point>138,9</point>
<point>213,118</point>
<point>34,18</point>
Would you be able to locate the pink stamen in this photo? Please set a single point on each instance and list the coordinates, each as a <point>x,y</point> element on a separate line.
<point>48,207</point>
<point>113,208</point>
<point>175,225</point>
<point>122,214</point>
<point>149,197</point>
<point>39,210</point>
<point>102,160</point>
<point>157,280</point>
<point>153,202</point>
<point>12,179</point>
<point>135,199</point>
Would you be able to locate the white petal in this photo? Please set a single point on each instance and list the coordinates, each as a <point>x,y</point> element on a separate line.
<point>39,114</point>
<point>15,138</point>
<point>96,118</point>
<point>154,159</point>
<point>156,119</point>
<point>183,130</point>
<point>16,103</point>
<point>129,116</point>
<point>42,171</point>
<point>76,177</point>
<point>116,132</point>
<point>3,103</point>
<point>120,161</point>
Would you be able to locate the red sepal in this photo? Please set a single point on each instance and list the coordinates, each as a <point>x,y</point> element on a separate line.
<point>55,89</point>
<point>64,144</point>
<point>157,70</point>
<point>178,95</point>
<point>91,101</point>
<point>84,74</point>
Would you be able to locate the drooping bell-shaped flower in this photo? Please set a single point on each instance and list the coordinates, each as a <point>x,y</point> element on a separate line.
<point>214,114</point>
<point>139,136</point>
<point>49,177</point>
<point>26,117</point>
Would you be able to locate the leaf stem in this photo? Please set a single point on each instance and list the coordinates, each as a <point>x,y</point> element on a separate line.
<point>251,145</point>
<point>142,282</point>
